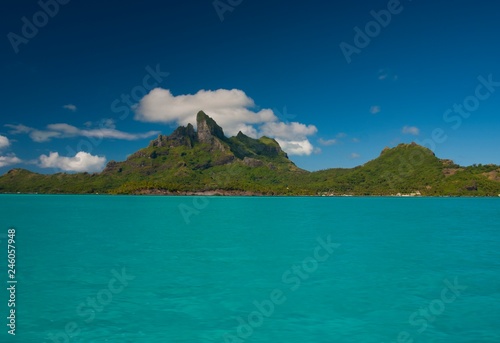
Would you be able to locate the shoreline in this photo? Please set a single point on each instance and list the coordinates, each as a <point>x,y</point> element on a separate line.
<point>218,193</point>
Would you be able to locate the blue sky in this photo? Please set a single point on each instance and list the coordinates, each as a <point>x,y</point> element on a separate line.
<point>333,82</point>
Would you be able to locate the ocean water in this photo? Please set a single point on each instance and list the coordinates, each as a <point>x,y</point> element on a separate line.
<point>252,269</point>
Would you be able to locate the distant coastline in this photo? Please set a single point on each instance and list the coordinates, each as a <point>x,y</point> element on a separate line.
<point>229,194</point>
<point>206,162</point>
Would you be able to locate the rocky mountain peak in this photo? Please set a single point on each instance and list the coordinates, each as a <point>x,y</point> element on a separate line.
<point>183,135</point>
<point>208,128</point>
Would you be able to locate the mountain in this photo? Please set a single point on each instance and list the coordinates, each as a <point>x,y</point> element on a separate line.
<point>206,161</point>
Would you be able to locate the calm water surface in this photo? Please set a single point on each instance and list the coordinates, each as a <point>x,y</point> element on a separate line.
<point>252,269</point>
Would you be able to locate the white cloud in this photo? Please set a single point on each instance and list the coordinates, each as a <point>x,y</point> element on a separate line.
<point>106,130</point>
<point>287,131</point>
<point>411,130</point>
<point>375,109</point>
<point>334,141</point>
<point>355,155</point>
<point>231,109</point>
<point>327,142</point>
<point>70,107</point>
<point>9,160</point>
<point>4,142</point>
<point>385,74</point>
<point>20,128</point>
<point>44,136</point>
<point>355,140</point>
<point>82,162</point>
<point>303,147</point>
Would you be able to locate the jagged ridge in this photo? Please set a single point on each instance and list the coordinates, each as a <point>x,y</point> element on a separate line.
<point>202,149</point>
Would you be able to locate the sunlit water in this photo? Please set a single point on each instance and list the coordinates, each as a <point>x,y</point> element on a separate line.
<point>236,269</point>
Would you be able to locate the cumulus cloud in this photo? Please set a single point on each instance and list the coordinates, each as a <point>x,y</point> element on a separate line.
<point>292,137</point>
<point>9,160</point>
<point>287,131</point>
<point>303,147</point>
<point>411,130</point>
<point>231,109</point>
<point>70,107</point>
<point>375,109</point>
<point>355,156</point>
<point>81,162</point>
<point>61,130</point>
<point>4,142</point>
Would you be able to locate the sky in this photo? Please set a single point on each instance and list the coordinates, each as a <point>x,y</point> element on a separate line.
<point>334,82</point>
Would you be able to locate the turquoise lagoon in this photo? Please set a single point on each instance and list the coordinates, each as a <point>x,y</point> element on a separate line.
<point>252,269</point>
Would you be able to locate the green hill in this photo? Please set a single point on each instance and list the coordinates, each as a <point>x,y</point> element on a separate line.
<point>406,169</point>
<point>206,161</point>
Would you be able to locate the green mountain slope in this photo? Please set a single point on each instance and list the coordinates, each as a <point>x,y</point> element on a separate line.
<point>185,161</point>
<point>189,161</point>
<point>406,169</point>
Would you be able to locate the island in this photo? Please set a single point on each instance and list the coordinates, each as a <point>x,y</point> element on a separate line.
<point>206,162</point>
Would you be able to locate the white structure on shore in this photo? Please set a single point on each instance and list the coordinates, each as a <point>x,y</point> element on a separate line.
<point>414,194</point>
